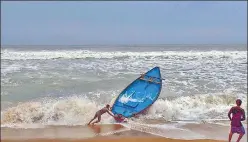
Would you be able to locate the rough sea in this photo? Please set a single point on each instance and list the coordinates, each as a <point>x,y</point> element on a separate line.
<point>66,85</point>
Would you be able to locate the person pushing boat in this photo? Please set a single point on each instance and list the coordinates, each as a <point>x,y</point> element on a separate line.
<point>101,112</point>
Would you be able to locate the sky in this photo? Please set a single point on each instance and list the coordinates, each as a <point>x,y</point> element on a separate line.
<point>120,22</point>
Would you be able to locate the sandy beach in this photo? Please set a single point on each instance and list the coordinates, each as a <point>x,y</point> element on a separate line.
<point>103,133</point>
<point>115,132</point>
<point>110,139</point>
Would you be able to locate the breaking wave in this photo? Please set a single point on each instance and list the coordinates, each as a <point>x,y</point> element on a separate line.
<point>82,54</point>
<point>79,110</point>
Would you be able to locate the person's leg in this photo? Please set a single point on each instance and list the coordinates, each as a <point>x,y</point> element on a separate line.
<point>230,136</point>
<point>241,133</point>
<point>92,119</point>
<point>239,138</point>
<point>98,120</point>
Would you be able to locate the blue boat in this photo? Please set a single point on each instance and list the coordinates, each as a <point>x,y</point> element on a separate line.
<point>139,95</point>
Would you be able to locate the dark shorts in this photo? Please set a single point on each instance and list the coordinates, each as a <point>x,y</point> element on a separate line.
<point>239,130</point>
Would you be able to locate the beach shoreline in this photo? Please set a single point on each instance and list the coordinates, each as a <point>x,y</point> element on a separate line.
<point>114,139</point>
<point>117,132</point>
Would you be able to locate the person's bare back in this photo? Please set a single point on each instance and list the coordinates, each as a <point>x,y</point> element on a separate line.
<point>103,110</point>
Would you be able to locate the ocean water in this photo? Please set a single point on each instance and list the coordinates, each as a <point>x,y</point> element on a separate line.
<point>66,85</point>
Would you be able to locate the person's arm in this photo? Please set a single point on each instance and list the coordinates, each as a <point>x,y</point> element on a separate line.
<point>243,115</point>
<point>229,114</point>
<point>110,113</point>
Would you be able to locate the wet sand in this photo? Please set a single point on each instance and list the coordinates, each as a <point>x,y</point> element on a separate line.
<point>61,132</point>
<point>117,132</point>
<point>110,139</point>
